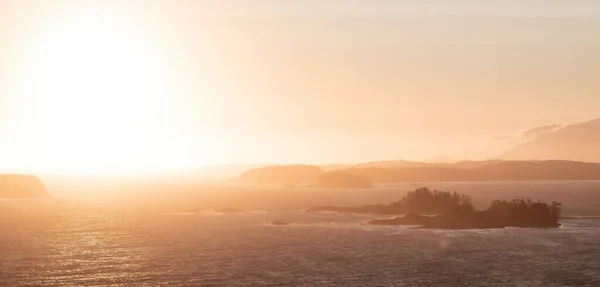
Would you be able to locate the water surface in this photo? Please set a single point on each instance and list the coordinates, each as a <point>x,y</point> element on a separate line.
<point>72,243</point>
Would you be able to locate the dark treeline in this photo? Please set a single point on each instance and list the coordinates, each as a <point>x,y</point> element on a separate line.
<point>425,201</point>
<point>525,213</point>
<point>14,186</point>
<point>420,201</point>
<point>421,172</point>
<point>500,214</point>
<point>455,211</point>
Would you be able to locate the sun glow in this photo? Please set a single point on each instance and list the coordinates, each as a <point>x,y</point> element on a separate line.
<point>98,100</point>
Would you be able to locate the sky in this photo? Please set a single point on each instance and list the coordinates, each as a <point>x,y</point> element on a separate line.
<point>123,86</point>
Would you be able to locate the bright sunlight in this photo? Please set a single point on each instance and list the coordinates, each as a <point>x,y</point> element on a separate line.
<point>100,97</point>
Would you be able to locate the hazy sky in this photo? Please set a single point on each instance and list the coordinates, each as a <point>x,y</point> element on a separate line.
<point>148,85</point>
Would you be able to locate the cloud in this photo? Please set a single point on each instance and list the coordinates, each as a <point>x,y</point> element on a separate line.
<point>532,134</point>
<point>579,141</point>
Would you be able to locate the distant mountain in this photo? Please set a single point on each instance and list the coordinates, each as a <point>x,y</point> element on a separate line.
<point>486,171</point>
<point>418,164</point>
<point>281,174</point>
<point>577,142</point>
<point>225,171</point>
<point>492,170</point>
<point>393,164</point>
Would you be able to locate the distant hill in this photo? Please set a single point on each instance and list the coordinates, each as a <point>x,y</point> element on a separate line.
<point>417,164</point>
<point>335,166</point>
<point>225,171</point>
<point>281,174</point>
<point>578,142</point>
<point>307,175</point>
<point>492,170</point>
<point>393,164</point>
<point>342,179</point>
<point>487,171</point>
<point>18,186</point>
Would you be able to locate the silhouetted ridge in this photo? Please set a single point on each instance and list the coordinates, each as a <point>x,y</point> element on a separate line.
<point>490,170</point>
<point>281,174</point>
<point>308,175</point>
<point>17,186</point>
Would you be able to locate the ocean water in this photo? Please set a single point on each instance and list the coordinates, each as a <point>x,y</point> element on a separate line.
<point>58,242</point>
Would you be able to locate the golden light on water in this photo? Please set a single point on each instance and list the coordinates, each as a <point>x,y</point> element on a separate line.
<point>284,143</point>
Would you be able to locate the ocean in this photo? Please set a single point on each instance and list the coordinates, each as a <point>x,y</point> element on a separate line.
<point>73,242</point>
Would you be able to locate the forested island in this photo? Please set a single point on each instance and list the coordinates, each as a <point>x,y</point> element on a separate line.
<point>450,210</point>
<point>420,201</point>
<point>20,186</point>
<point>306,175</point>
